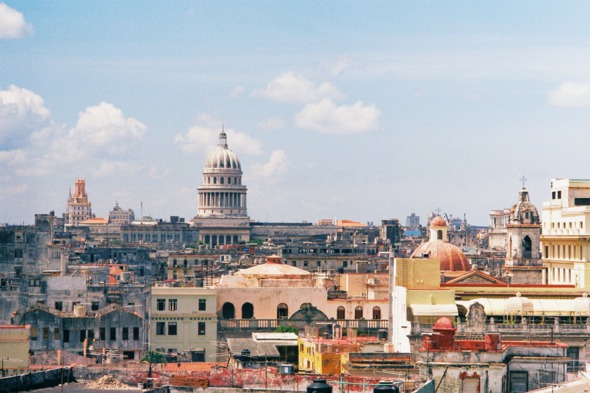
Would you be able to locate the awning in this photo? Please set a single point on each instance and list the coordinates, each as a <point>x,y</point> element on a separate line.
<point>434,310</point>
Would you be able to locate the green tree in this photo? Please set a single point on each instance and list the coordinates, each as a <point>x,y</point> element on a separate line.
<point>287,329</point>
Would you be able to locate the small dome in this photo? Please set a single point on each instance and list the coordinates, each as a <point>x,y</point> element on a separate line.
<point>438,221</point>
<point>443,323</point>
<point>523,211</point>
<point>223,158</point>
<point>450,256</point>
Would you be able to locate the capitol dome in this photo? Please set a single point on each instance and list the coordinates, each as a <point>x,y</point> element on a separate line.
<point>223,158</point>
<point>450,256</point>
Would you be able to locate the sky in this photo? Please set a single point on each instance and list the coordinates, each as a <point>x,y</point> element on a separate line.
<point>336,109</point>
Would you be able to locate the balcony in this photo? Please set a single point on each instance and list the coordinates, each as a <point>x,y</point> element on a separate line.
<point>364,326</point>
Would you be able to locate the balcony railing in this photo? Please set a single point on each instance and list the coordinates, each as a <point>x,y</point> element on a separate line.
<point>370,326</point>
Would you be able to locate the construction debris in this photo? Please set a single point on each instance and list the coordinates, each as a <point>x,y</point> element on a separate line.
<point>107,382</point>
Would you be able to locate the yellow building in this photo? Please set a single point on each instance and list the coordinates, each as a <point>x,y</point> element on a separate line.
<point>184,320</point>
<point>14,348</point>
<point>324,356</point>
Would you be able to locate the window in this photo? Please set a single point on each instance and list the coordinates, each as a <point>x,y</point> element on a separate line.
<point>282,311</point>
<point>340,313</point>
<point>160,326</point>
<point>66,336</point>
<point>56,334</point>
<point>558,194</point>
<point>247,311</point>
<point>113,334</point>
<point>45,333</point>
<point>376,312</point>
<point>172,305</point>
<point>358,312</point>
<point>202,304</point>
<point>172,328</point>
<point>160,304</point>
<point>228,311</point>
<point>94,306</point>
<point>82,335</point>
<point>201,329</point>
<point>59,306</point>
<point>136,333</point>
<point>102,334</point>
<point>125,333</point>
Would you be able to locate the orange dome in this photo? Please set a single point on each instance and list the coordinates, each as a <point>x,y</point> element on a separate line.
<point>450,256</point>
<point>438,221</point>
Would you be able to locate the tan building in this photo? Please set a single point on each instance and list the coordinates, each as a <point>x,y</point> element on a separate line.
<point>78,207</point>
<point>564,242</point>
<point>14,348</point>
<point>184,321</point>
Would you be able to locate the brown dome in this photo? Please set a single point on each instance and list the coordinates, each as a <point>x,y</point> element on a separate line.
<point>451,258</point>
<point>438,221</point>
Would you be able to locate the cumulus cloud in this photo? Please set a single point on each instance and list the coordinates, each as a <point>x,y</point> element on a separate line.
<point>272,123</point>
<point>12,23</point>
<point>289,87</point>
<point>109,167</point>
<point>12,157</point>
<point>11,190</point>
<point>571,94</point>
<point>325,116</point>
<point>22,112</point>
<point>276,166</point>
<point>203,138</point>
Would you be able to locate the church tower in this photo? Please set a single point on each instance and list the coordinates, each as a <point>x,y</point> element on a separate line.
<point>523,252</point>
<point>222,213</point>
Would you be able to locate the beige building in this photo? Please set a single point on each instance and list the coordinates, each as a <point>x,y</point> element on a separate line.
<point>78,207</point>
<point>14,348</point>
<point>564,242</point>
<point>184,320</point>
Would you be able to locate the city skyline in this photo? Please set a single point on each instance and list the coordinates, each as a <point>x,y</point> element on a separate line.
<point>337,110</point>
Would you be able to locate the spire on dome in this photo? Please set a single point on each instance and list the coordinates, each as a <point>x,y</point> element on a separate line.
<point>222,138</point>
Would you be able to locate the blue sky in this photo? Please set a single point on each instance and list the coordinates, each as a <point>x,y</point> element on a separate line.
<point>336,109</point>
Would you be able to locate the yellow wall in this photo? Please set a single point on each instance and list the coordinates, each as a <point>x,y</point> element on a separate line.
<point>420,273</point>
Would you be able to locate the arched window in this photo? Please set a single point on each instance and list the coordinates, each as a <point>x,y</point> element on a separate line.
<point>236,240</point>
<point>221,180</point>
<point>215,180</point>
<point>439,235</point>
<point>305,305</point>
<point>228,239</point>
<point>228,311</point>
<point>229,180</point>
<point>340,313</point>
<point>247,311</point>
<point>376,312</point>
<point>358,312</point>
<point>282,311</point>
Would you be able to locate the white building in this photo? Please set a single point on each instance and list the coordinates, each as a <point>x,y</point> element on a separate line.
<point>564,242</point>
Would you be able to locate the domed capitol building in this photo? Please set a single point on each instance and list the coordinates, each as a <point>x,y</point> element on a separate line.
<point>222,216</point>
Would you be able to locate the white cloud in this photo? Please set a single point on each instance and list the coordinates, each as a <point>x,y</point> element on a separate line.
<point>22,112</point>
<point>571,94</point>
<point>237,92</point>
<point>119,167</point>
<point>8,191</point>
<point>276,166</point>
<point>12,23</point>
<point>12,157</point>
<point>325,116</point>
<point>104,125</point>
<point>272,123</point>
<point>289,87</point>
<point>203,138</point>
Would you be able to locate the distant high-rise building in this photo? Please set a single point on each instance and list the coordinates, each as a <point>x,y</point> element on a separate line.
<point>413,221</point>
<point>391,231</point>
<point>78,207</point>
